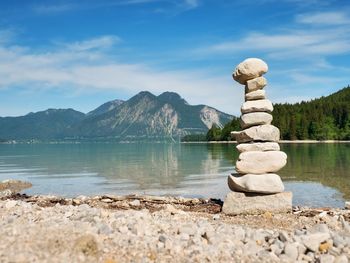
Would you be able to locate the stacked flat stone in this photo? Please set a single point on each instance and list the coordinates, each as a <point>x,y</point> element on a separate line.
<point>256,186</point>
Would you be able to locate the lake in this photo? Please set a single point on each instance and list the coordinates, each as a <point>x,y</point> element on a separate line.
<point>317,174</point>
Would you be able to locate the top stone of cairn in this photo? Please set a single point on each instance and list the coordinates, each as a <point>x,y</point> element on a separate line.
<point>249,69</point>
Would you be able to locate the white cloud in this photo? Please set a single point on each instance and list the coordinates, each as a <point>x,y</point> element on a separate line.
<point>51,9</point>
<point>95,43</point>
<point>298,43</point>
<point>90,69</point>
<point>191,3</point>
<point>324,18</point>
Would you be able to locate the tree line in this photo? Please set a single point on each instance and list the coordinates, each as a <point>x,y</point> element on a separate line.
<point>325,118</point>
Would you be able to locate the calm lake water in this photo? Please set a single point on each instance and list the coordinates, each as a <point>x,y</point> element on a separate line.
<point>317,174</point>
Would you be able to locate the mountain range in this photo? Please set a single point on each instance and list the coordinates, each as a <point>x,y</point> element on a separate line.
<point>142,116</point>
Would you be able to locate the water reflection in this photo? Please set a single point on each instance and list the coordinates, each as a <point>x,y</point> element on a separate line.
<point>183,169</point>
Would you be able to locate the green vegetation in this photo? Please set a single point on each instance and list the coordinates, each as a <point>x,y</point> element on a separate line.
<point>194,138</point>
<point>215,133</point>
<point>326,118</point>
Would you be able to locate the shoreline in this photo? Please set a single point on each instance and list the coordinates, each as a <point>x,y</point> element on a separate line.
<point>281,141</point>
<point>137,228</point>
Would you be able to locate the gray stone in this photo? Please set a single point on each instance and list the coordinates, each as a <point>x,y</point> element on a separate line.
<point>256,183</point>
<point>258,146</point>
<point>11,204</point>
<point>327,258</point>
<point>135,202</point>
<point>264,133</point>
<point>255,118</point>
<point>255,95</point>
<point>249,69</point>
<point>341,259</point>
<point>283,236</point>
<point>12,187</point>
<point>313,241</point>
<point>249,203</point>
<point>255,84</point>
<point>291,251</point>
<point>319,228</point>
<point>260,162</point>
<point>347,205</point>
<point>257,106</point>
<point>276,249</point>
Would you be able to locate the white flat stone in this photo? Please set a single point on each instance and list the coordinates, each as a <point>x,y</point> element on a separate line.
<point>260,162</point>
<point>255,118</point>
<point>237,203</point>
<point>255,95</point>
<point>255,84</point>
<point>257,106</point>
<point>258,146</point>
<point>263,133</point>
<point>256,183</point>
<point>249,69</point>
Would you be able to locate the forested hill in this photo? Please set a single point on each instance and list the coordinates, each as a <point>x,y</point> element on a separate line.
<point>326,118</point>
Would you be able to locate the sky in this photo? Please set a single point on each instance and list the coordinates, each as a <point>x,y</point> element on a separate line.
<point>81,54</point>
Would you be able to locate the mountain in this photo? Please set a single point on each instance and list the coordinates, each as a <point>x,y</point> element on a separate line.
<point>142,116</point>
<point>108,106</point>
<point>48,124</point>
<point>147,115</point>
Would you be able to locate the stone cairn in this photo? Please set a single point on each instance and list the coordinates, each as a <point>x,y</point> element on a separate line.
<point>256,188</point>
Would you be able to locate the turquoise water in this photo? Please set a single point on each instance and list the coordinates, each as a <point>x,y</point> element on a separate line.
<point>317,174</point>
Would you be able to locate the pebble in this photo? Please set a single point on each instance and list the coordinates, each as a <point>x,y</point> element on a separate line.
<point>291,251</point>
<point>10,204</point>
<point>66,233</point>
<point>136,202</point>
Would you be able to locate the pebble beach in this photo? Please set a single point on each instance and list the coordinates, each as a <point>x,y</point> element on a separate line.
<point>165,229</point>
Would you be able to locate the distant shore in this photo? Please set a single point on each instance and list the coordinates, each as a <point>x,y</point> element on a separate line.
<point>164,229</point>
<point>281,141</point>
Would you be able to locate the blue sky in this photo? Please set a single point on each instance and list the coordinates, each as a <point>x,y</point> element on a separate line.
<point>80,54</point>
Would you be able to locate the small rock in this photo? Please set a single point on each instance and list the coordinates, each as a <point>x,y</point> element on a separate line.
<point>255,95</point>
<point>14,185</point>
<point>326,258</point>
<point>87,245</point>
<point>258,146</point>
<point>339,241</point>
<point>347,205</point>
<point>135,202</point>
<point>263,133</point>
<point>104,229</point>
<point>162,238</point>
<point>249,69</point>
<point>319,228</point>
<point>325,246</point>
<point>276,249</point>
<point>283,236</point>
<point>256,183</point>
<point>216,217</point>
<point>291,251</point>
<point>107,200</point>
<point>255,84</point>
<point>123,229</point>
<point>313,241</point>
<point>341,259</point>
<point>260,162</point>
<point>255,118</point>
<point>10,204</point>
<point>257,106</point>
<point>187,229</point>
